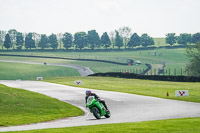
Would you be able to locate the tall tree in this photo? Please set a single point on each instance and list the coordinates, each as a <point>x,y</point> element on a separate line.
<point>36,37</point>
<point>19,40</point>
<point>134,41</point>
<point>146,40</point>
<point>29,42</point>
<point>125,33</point>
<point>43,43</point>
<point>93,39</point>
<point>2,37</point>
<point>194,54</point>
<point>112,38</point>
<point>80,40</point>
<point>60,37</point>
<point>7,42</point>
<point>105,40</point>
<point>13,34</point>
<point>53,41</point>
<point>67,40</point>
<point>196,37</point>
<point>118,40</point>
<point>171,38</point>
<point>184,39</point>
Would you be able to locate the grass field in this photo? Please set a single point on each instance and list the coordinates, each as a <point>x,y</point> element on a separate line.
<point>173,58</point>
<point>94,66</point>
<point>186,125</point>
<point>13,71</point>
<point>19,106</point>
<point>136,86</point>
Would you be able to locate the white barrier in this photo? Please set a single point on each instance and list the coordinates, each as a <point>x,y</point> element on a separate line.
<point>39,78</point>
<point>78,82</point>
<point>181,93</point>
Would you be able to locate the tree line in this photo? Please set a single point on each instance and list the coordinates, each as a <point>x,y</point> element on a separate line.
<point>122,37</point>
<point>183,39</point>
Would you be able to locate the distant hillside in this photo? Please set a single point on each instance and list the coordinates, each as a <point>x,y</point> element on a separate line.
<point>159,41</point>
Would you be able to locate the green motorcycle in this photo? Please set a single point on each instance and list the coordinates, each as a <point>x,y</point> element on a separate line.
<point>97,108</point>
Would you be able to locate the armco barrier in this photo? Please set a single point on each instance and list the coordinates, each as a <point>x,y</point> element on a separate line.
<point>149,77</point>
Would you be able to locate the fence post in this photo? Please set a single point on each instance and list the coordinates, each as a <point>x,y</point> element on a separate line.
<point>169,71</point>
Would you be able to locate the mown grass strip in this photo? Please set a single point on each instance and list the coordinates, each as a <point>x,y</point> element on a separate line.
<point>19,107</point>
<point>136,86</point>
<point>186,125</point>
<point>13,71</point>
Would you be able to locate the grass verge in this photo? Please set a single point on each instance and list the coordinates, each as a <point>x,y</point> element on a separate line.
<point>13,71</point>
<point>136,86</point>
<point>19,107</point>
<point>186,125</point>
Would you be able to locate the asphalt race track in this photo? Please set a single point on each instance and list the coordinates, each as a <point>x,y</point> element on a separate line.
<point>84,71</point>
<point>124,107</point>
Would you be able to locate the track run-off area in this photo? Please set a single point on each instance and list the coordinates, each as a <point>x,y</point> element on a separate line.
<point>83,71</point>
<point>124,107</point>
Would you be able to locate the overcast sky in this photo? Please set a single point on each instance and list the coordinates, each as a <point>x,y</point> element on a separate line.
<point>154,17</point>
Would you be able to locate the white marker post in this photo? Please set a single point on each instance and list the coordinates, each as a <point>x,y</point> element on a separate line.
<point>181,93</point>
<point>78,82</point>
<point>39,78</point>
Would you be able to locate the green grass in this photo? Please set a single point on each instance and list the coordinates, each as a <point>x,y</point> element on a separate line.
<point>173,58</point>
<point>186,125</point>
<point>13,71</point>
<point>159,41</point>
<point>18,106</point>
<point>94,66</point>
<point>136,86</point>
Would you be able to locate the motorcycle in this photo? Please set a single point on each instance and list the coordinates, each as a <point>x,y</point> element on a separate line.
<point>97,108</point>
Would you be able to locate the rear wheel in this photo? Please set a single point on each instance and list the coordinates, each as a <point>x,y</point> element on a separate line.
<point>107,114</point>
<point>96,113</point>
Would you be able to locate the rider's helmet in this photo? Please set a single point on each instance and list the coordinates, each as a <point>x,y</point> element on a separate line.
<point>88,92</point>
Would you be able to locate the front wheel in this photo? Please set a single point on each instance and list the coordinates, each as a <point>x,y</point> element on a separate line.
<point>108,114</point>
<point>96,113</point>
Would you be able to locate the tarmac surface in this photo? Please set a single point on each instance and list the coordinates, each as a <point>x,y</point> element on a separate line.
<point>84,71</point>
<point>124,107</point>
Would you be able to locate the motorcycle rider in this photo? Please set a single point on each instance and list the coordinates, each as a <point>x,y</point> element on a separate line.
<point>89,93</point>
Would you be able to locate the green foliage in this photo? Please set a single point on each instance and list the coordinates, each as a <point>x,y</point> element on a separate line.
<point>183,125</point>
<point>134,41</point>
<point>194,55</point>
<point>118,40</point>
<point>80,40</point>
<point>93,39</point>
<point>18,106</point>
<point>184,39</point>
<point>43,43</point>
<point>19,40</point>
<point>2,37</point>
<point>12,33</point>
<point>146,40</point>
<point>196,37</point>
<point>105,40</point>
<point>67,40</point>
<point>52,39</point>
<point>125,33</point>
<point>7,42</point>
<point>171,38</point>
<point>29,42</point>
